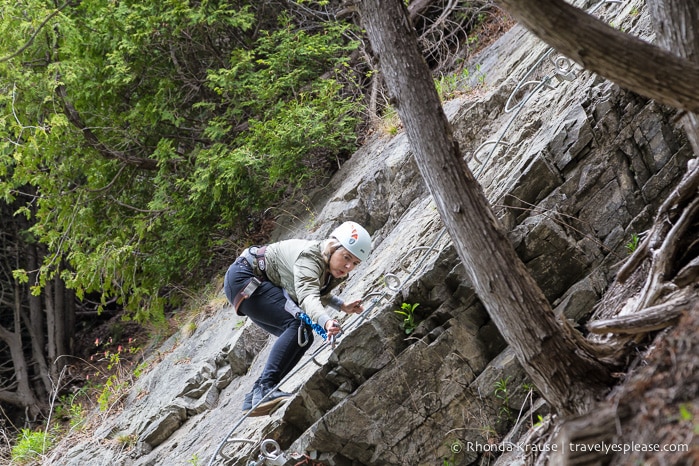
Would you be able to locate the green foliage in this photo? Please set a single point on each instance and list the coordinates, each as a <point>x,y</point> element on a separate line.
<point>112,391</point>
<point>687,416</point>
<point>132,167</point>
<point>407,311</point>
<point>71,410</point>
<point>127,440</point>
<point>502,393</point>
<point>685,412</point>
<point>390,121</point>
<point>632,245</point>
<point>115,366</point>
<point>31,445</point>
<point>452,85</point>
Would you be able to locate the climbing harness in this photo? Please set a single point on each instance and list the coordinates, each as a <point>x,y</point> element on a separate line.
<point>393,285</point>
<point>255,257</point>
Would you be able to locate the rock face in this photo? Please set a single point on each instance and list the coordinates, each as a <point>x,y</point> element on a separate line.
<point>573,166</point>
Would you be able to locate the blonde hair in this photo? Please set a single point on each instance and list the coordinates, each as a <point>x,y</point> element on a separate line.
<point>329,247</point>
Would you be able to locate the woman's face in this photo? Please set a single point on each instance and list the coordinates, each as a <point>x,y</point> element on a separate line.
<point>342,262</point>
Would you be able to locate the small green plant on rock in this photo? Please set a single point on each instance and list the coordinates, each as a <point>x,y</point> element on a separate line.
<point>408,312</point>
<point>127,440</point>
<point>30,446</point>
<point>632,245</point>
<point>539,420</point>
<point>189,328</point>
<point>71,410</point>
<point>502,393</point>
<point>687,416</point>
<point>390,123</point>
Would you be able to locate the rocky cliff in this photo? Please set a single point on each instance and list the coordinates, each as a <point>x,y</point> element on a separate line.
<point>574,167</point>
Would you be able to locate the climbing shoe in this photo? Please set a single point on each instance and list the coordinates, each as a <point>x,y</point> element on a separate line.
<point>247,403</point>
<point>268,398</point>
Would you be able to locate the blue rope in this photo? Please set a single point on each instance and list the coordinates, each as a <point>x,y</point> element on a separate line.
<point>316,328</point>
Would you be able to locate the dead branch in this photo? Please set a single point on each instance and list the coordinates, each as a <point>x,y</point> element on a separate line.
<point>689,274</point>
<point>648,320</point>
<point>612,354</point>
<point>662,258</point>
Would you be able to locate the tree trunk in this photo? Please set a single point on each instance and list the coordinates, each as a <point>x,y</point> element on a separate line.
<point>39,359</point>
<point>35,323</point>
<point>59,329</point>
<point>566,376</point>
<point>70,321</point>
<point>619,57</point>
<point>52,346</point>
<point>676,25</point>
<point>36,315</point>
<point>676,28</point>
<point>20,392</point>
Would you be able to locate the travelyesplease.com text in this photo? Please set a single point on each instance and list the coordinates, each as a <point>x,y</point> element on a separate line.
<point>600,447</point>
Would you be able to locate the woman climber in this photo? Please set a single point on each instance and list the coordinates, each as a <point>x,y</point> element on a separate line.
<point>280,286</point>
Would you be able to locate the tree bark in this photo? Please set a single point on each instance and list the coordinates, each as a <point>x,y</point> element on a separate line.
<point>36,316</point>
<point>416,7</point>
<point>22,394</point>
<point>42,390</point>
<point>619,57</point>
<point>59,306</point>
<point>70,321</point>
<point>52,343</point>
<point>645,321</point>
<point>676,25</point>
<point>34,322</point>
<point>567,377</point>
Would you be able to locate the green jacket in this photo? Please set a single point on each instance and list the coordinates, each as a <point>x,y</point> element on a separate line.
<point>298,266</point>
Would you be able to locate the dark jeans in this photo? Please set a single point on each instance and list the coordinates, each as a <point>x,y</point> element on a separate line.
<point>266,309</point>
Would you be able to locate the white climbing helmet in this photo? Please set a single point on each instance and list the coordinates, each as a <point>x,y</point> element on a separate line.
<point>353,237</point>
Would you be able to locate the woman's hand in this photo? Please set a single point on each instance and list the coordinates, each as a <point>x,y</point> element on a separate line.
<point>355,307</point>
<point>332,327</point>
